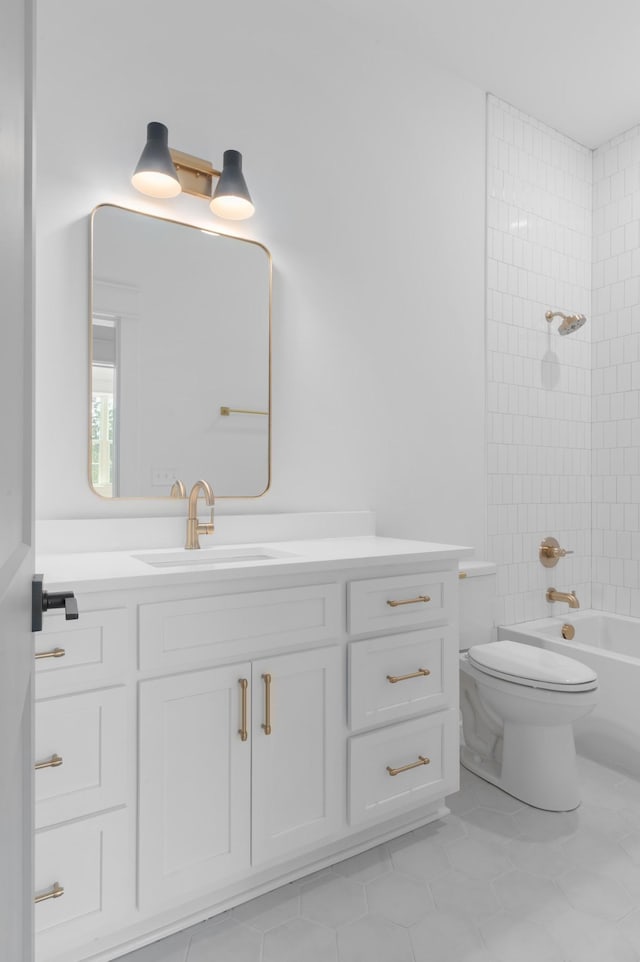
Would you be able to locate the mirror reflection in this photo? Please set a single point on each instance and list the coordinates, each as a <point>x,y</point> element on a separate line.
<point>180,358</point>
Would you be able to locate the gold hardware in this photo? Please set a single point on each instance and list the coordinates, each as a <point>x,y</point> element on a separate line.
<point>570,322</point>
<point>55,893</point>
<point>462,574</point>
<point>569,597</point>
<point>267,704</point>
<point>243,730</point>
<point>416,674</point>
<point>221,233</point>
<point>178,489</point>
<point>568,632</point>
<point>550,552</point>
<point>195,174</point>
<point>56,653</point>
<point>410,601</point>
<point>422,760</point>
<point>225,412</point>
<point>54,762</point>
<point>195,527</point>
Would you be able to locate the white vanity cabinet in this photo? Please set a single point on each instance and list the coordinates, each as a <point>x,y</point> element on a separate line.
<point>84,882</point>
<point>225,735</point>
<point>409,672</point>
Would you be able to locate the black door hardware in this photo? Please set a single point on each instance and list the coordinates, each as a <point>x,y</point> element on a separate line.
<point>46,600</point>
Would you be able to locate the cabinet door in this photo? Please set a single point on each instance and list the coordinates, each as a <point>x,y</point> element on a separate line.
<point>194,784</point>
<point>298,758</point>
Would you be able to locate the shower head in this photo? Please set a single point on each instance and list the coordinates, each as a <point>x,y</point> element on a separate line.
<point>570,322</point>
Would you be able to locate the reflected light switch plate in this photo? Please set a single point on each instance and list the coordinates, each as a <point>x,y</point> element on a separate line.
<point>161,477</point>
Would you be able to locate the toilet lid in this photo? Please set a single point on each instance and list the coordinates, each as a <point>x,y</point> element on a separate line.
<point>529,665</point>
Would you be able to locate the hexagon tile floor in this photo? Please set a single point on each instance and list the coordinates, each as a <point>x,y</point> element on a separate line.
<point>494,882</point>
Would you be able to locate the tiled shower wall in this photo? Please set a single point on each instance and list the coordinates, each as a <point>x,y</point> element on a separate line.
<point>539,217</point>
<point>616,375</point>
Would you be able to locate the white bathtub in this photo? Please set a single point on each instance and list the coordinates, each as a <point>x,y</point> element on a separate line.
<point>610,644</point>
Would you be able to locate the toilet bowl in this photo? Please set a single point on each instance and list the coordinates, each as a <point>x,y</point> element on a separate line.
<point>518,704</point>
<point>518,707</point>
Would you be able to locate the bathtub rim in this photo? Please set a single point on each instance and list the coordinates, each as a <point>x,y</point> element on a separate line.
<point>539,631</point>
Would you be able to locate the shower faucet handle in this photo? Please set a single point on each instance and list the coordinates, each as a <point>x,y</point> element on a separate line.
<point>550,552</point>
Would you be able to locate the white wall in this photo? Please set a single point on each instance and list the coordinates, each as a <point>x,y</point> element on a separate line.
<point>616,375</point>
<point>539,394</point>
<point>368,174</point>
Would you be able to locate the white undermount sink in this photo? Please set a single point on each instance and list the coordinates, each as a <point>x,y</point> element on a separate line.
<point>223,555</point>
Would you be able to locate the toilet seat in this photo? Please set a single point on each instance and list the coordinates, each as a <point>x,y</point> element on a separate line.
<point>532,667</point>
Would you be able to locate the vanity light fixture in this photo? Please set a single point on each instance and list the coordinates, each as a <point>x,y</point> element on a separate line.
<point>164,172</point>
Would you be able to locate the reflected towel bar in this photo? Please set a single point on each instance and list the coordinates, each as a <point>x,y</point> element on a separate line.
<point>225,412</point>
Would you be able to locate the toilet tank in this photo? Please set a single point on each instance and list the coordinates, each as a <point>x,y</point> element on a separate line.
<point>477,603</point>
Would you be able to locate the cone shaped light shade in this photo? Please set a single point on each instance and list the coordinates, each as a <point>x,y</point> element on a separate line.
<point>155,174</point>
<point>231,198</point>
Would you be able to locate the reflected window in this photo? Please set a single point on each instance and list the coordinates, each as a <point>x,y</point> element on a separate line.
<point>103,406</point>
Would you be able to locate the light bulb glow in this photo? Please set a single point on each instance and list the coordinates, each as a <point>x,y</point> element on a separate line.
<point>232,208</point>
<point>155,184</point>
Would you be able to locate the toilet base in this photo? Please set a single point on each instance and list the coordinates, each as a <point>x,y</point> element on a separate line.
<point>538,766</point>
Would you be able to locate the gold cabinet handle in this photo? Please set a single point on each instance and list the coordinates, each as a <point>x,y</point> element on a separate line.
<point>410,601</point>
<point>54,762</point>
<point>422,760</point>
<point>242,731</point>
<point>267,705</point>
<point>56,653</point>
<point>392,679</point>
<point>55,893</point>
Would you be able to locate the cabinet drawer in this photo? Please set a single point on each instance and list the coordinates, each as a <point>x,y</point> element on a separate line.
<point>402,601</point>
<point>91,652</point>
<point>88,732</point>
<point>387,679</point>
<point>376,794</point>
<point>91,861</point>
<point>175,634</point>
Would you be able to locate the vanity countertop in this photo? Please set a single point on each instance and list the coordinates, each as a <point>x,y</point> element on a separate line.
<point>107,570</point>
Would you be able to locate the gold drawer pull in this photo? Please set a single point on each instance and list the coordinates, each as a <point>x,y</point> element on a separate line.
<point>244,734</point>
<point>55,893</point>
<point>56,653</point>
<point>54,762</point>
<point>410,601</point>
<point>267,704</point>
<point>392,679</point>
<point>462,575</point>
<point>422,760</point>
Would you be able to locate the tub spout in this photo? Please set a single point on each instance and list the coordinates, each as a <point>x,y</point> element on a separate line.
<point>569,597</point>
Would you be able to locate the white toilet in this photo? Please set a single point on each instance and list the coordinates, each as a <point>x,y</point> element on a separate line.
<point>518,704</point>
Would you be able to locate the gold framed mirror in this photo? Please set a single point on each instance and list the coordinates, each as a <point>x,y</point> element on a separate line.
<point>179,358</point>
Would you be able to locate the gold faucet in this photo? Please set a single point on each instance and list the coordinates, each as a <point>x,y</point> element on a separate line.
<point>569,597</point>
<point>195,527</point>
